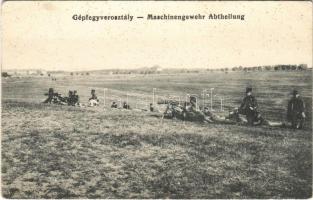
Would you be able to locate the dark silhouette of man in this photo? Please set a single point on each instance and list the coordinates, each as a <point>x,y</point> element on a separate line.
<point>296,111</point>
<point>249,107</point>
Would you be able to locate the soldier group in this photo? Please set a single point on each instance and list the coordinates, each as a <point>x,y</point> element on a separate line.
<point>295,110</point>
<point>72,99</point>
<point>124,106</point>
<point>190,112</point>
<point>248,108</point>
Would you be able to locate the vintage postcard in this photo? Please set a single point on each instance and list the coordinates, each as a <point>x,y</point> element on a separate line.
<point>156,99</point>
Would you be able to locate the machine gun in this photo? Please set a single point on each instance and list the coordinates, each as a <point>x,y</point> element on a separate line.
<point>52,94</point>
<point>54,97</point>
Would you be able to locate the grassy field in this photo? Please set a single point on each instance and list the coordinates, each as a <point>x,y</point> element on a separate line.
<point>51,151</point>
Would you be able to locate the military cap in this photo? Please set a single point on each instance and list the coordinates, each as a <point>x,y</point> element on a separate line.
<point>295,92</point>
<point>193,98</point>
<point>248,89</point>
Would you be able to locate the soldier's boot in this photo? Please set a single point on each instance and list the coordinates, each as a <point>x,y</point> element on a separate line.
<point>264,122</point>
<point>250,119</point>
<point>301,123</point>
<point>294,123</point>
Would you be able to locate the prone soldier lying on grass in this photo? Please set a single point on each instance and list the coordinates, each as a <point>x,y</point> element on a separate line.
<point>192,111</point>
<point>189,112</point>
<point>173,110</point>
<point>214,118</point>
<point>184,111</point>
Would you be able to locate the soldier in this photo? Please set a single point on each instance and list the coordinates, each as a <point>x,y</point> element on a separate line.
<point>50,95</point>
<point>234,116</point>
<point>249,107</point>
<point>126,106</point>
<point>58,99</point>
<point>191,111</point>
<point>214,118</point>
<point>174,110</point>
<point>93,100</point>
<point>151,107</point>
<point>296,111</point>
<point>93,95</point>
<point>75,98</point>
<point>70,98</point>
<point>114,104</point>
<point>193,102</point>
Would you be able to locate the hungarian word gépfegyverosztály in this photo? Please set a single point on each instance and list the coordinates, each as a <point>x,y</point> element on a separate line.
<point>126,17</point>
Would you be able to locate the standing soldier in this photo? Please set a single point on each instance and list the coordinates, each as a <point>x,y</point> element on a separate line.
<point>295,111</point>
<point>249,107</point>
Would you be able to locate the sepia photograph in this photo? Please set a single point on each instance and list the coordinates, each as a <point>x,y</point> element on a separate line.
<point>156,100</point>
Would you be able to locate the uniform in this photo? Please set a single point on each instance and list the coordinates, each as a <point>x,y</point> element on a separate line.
<point>191,111</point>
<point>296,111</point>
<point>126,106</point>
<point>151,107</point>
<point>114,104</point>
<point>70,99</point>
<point>93,95</point>
<point>75,98</point>
<point>249,107</point>
<point>93,100</point>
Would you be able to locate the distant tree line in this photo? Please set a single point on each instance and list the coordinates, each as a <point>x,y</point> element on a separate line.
<point>144,70</point>
<point>157,69</point>
<point>272,68</point>
<point>5,74</point>
<point>80,73</point>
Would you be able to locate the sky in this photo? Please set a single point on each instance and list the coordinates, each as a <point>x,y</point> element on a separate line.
<point>43,35</point>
